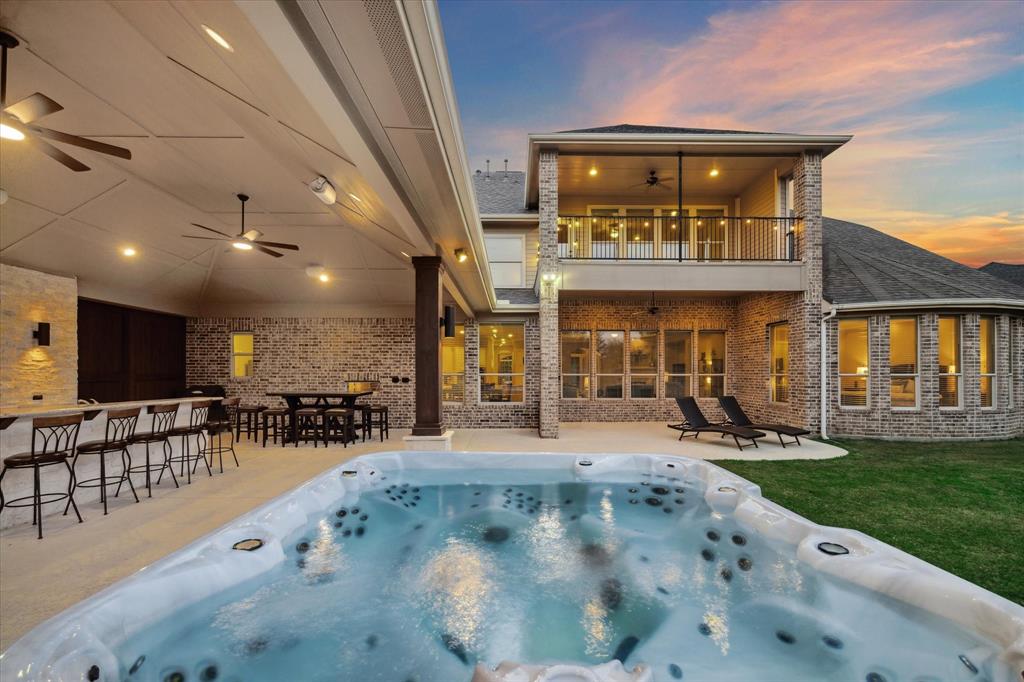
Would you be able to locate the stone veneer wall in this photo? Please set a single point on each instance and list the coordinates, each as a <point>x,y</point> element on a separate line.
<point>928,420</point>
<point>318,354</point>
<point>28,297</point>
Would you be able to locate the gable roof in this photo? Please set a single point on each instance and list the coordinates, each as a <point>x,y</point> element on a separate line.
<point>500,192</point>
<point>1011,272</point>
<point>629,128</point>
<point>863,265</point>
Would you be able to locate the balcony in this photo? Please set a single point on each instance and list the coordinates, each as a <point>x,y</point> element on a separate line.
<point>700,238</point>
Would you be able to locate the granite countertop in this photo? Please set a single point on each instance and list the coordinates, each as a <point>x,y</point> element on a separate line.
<point>19,411</point>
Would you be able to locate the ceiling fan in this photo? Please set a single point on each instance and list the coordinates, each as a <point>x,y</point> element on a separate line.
<point>652,181</point>
<point>652,309</point>
<point>18,121</point>
<point>244,240</point>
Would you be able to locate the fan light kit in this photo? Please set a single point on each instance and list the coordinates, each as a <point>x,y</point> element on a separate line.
<point>242,246</point>
<point>244,240</point>
<point>324,190</point>
<point>217,38</point>
<point>18,121</point>
<point>653,181</point>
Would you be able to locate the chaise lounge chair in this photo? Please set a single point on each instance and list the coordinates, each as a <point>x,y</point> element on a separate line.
<point>697,424</point>
<point>738,417</point>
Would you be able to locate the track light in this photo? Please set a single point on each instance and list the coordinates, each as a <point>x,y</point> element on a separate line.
<point>324,190</point>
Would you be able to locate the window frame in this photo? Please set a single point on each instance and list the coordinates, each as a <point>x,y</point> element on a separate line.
<point>917,365</point>
<point>994,374</point>
<point>725,363</point>
<point>251,356</point>
<point>521,238</point>
<point>590,363</point>
<point>480,370</point>
<point>595,384</point>
<point>959,375</point>
<point>688,381</point>
<point>460,329</point>
<point>840,374</point>
<point>652,374</point>
<point>772,374</point>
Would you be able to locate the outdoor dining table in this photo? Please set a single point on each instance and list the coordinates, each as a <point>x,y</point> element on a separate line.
<point>326,399</point>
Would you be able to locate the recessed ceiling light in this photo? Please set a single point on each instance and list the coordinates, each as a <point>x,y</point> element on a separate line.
<point>128,251</point>
<point>713,173</point>
<point>10,133</point>
<point>324,277</point>
<point>217,38</point>
<point>593,171</point>
<point>461,255</point>
<point>242,246</point>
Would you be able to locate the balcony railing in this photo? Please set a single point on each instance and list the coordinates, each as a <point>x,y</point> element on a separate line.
<point>690,238</point>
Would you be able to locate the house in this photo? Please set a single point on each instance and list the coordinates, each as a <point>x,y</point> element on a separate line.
<point>646,263</point>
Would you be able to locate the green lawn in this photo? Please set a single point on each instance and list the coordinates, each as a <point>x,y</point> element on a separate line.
<point>959,506</point>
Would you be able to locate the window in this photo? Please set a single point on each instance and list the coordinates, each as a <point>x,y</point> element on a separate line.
<point>610,358</point>
<point>987,359</point>
<point>502,363</point>
<point>949,361</point>
<point>711,364</point>
<point>643,364</point>
<point>453,366</point>
<point>678,356</point>
<point>575,364</point>
<point>241,354</point>
<point>903,362</point>
<point>506,256</point>
<point>778,352</point>
<point>854,367</point>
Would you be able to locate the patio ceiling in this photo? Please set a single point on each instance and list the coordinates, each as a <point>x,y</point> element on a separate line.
<point>203,123</point>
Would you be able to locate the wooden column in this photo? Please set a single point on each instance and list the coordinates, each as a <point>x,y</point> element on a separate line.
<point>428,346</point>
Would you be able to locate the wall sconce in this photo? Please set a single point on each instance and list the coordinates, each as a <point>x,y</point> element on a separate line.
<point>461,255</point>
<point>448,321</point>
<point>42,334</point>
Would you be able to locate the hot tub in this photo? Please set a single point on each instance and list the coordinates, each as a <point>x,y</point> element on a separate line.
<point>452,567</point>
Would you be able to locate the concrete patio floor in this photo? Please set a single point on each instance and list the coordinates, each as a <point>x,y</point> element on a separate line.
<point>41,578</point>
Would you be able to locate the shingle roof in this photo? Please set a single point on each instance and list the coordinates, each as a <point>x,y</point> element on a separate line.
<point>502,192</point>
<point>864,265</point>
<point>517,296</point>
<point>661,130</point>
<point>1011,272</point>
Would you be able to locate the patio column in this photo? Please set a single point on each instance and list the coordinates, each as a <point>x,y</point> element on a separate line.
<point>428,346</point>
<point>806,362</point>
<point>550,383</point>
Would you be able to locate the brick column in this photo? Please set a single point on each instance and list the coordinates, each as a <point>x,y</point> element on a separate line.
<point>550,383</point>
<point>807,203</point>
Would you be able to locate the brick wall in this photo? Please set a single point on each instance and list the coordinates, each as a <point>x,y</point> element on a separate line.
<point>928,420</point>
<point>550,387</point>
<point>28,297</point>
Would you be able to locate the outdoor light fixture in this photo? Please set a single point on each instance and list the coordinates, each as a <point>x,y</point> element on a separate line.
<point>448,321</point>
<point>549,277</point>
<point>713,173</point>
<point>217,38</point>
<point>10,133</point>
<point>128,251</point>
<point>324,190</point>
<point>242,246</point>
<point>42,334</point>
<point>318,272</point>
<point>461,255</point>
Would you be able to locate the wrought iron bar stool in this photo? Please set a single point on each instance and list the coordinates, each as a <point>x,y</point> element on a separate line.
<point>275,423</point>
<point>309,423</point>
<point>248,416</point>
<point>377,415</point>
<point>216,428</point>
<point>339,421</point>
<point>197,419</point>
<point>116,438</point>
<point>163,422</point>
<point>53,442</point>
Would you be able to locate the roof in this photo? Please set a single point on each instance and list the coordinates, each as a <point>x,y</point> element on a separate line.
<point>629,128</point>
<point>863,265</point>
<point>501,192</point>
<point>517,296</point>
<point>1011,272</point>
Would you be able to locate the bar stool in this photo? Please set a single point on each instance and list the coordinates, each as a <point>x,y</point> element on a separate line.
<point>309,424</point>
<point>197,419</point>
<point>163,422</point>
<point>251,415</point>
<point>217,428</point>
<point>339,420</point>
<point>377,415</point>
<point>53,442</point>
<point>116,438</point>
<point>275,423</point>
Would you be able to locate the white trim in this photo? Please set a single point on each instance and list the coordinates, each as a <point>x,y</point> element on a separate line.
<point>510,217</point>
<point>918,304</point>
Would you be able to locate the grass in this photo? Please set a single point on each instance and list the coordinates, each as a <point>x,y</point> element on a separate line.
<point>959,506</point>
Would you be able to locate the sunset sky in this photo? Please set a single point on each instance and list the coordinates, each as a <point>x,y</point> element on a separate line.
<point>932,92</point>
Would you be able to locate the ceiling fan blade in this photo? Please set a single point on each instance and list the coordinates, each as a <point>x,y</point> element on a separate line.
<point>276,245</point>
<point>84,142</point>
<point>267,251</point>
<point>639,184</point>
<point>56,154</point>
<point>665,179</point>
<point>663,186</point>
<point>210,229</point>
<point>212,239</point>
<point>33,108</point>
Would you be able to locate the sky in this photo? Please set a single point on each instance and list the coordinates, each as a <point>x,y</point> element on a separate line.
<point>932,92</point>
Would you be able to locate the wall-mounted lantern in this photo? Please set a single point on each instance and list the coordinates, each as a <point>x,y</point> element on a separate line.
<point>42,334</point>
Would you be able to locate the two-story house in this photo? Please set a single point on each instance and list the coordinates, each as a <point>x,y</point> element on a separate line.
<point>636,264</point>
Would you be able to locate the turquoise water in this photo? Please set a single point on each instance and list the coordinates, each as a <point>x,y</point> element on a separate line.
<point>419,579</point>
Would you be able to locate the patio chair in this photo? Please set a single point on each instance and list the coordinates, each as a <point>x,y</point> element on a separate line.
<point>696,423</point>
<point>738,417</point>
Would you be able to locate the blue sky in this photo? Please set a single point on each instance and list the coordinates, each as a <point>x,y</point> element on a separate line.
<point>932,92</point>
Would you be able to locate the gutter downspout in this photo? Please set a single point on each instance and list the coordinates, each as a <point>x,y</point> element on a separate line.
<point>824,371</point>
